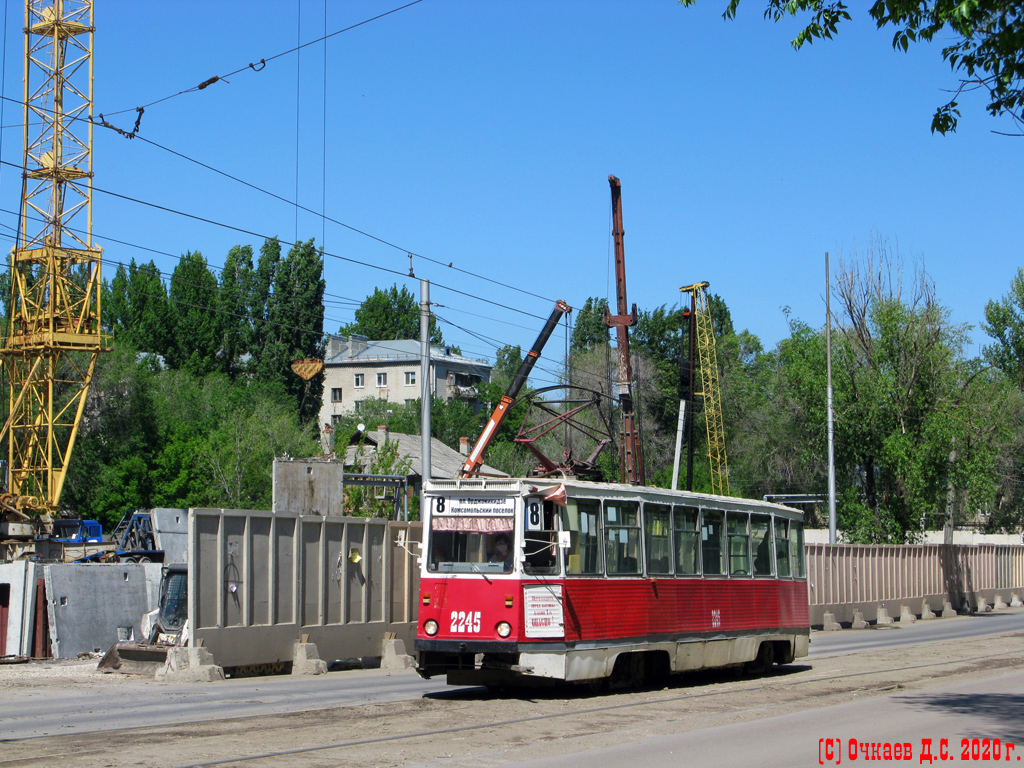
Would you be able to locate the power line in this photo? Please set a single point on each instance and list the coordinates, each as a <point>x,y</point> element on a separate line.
<point>257,67</point>
<point>324,217</point>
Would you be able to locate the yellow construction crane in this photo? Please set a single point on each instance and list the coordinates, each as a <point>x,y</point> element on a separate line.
<point>711,393</point>
<point>53,337</point>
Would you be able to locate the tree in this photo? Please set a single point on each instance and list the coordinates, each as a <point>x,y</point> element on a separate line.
<point>590,330</point>
<point>287,320</point>
<point>986,42</point>
<point>136,309</point>
<point>1004,322</point>
<point>195,324</point>
<point>390,314</point>
<point>235,290</point>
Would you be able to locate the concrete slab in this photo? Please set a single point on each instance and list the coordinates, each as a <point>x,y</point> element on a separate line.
<point>171,527</point>
<point>93,605</point>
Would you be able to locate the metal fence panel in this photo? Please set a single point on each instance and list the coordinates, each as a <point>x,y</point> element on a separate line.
<point>259,581</point>
<point>843,578</point>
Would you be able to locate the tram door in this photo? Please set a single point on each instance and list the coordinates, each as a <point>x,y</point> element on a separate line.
<point>540,543</point>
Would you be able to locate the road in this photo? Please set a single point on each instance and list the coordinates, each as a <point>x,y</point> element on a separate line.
<point>113,702</point>
<point>989,710</point>
<point>379,719</point>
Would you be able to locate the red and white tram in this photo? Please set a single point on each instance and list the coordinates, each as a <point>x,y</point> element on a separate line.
<point>603,580</point>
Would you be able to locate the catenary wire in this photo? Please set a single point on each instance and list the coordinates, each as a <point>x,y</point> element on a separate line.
<point>265,61</point>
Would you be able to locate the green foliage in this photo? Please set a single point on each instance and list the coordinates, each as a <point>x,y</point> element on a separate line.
<point>360,500</point>
<point>287,312</point>
<point>136,310</point>
<point>165,438</point>
<point>194,323</point>
<point>1004,322</point>
<point>390,314</point>
<point>590,330</point>
<point>984,42</point>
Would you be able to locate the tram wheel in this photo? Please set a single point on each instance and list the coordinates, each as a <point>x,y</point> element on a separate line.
<point>763,662</point>
<point>637,670</point>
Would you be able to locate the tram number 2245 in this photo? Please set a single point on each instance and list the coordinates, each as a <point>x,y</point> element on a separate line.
<point>465,622</point>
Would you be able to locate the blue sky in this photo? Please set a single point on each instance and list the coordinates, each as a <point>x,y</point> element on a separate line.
<point>482,134</point>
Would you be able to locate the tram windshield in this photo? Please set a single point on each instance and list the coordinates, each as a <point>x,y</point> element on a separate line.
<point>472,545</point>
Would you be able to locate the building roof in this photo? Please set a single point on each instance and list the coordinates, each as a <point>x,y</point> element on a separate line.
<point>357,350</point>
<point>445,461</point>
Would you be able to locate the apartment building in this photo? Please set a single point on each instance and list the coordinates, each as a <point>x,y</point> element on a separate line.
<point>357,369</point>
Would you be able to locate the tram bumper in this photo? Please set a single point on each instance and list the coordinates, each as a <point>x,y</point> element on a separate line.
<point>492,663</point>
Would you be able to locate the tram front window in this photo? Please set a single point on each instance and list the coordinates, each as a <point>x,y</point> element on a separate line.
<point>472,551</point>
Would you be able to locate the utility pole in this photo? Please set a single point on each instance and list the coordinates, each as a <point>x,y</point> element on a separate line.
<point>831,417</point>
<point>425,393</point>
<point>631,458</point>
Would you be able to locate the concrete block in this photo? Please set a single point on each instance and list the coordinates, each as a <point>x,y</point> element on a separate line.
<point>394,658</point>
<point>829,623</point>
<point>999,604</point>
<point>1015,601</point>
<point>906,617</point>
<point>926,611</point>
<point>983,606</point>
<point>859,622</point>
<point>92,604</point>
<point>189,665</point>
<point>947,610</point>
<point>306,660</point>
<point>884,619</point>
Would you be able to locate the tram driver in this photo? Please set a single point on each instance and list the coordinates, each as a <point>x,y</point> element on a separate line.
<point>502,552</point>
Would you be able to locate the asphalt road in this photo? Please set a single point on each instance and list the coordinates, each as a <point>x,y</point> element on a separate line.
<point>987,710</point>
<point>109,702</point>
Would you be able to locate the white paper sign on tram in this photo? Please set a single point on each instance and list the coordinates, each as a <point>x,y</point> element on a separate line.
<point>542,604</point>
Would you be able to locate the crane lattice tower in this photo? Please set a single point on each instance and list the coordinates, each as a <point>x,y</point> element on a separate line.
<point>710,389</point>
<point>53,337</point>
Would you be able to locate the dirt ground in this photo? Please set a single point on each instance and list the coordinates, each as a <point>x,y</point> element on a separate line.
<point>479,726</point>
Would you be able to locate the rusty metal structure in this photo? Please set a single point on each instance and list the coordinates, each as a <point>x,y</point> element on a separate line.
<point>475,460</point>
<point>53,338</point>
<point>710,390</point>
<point>545,415</point>
<point>632,463</point>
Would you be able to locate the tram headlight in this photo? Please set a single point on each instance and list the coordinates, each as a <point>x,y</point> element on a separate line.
<point>430,627</point>
<point>504,629</point>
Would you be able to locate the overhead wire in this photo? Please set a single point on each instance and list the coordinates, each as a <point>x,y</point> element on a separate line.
<point>262,62</point>
<point>323,215</point>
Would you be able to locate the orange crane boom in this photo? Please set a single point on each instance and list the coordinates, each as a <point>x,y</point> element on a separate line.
<point>475,460</point>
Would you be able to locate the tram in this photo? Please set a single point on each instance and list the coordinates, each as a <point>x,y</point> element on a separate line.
<point>533,580</point>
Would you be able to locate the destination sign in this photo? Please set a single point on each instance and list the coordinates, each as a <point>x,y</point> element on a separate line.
<point>475,506</point>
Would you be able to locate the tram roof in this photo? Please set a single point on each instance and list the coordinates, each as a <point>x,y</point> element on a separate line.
<point>577,487</point>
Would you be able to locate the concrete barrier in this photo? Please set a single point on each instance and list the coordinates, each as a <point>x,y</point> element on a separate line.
<point>263,584</point>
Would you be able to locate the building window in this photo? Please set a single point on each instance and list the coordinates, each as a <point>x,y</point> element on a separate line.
<point>382,379</point>
<point>410,378</point>
<point>358,381</point>
<point>335,394</point>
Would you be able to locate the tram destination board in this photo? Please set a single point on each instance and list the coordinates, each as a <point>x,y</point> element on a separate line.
<point>475,506</point>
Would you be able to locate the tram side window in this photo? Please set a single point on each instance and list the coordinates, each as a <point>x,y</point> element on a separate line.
<point>796,547</point>
<point>687,542</point>
<point>581,518</point>
<point>711,541</point>
<point>782,545</point>
<point>658,538</point>
<point>739,543</point>
<point>622,537</point>
<point>761,544</point>
<point>541,548</point>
